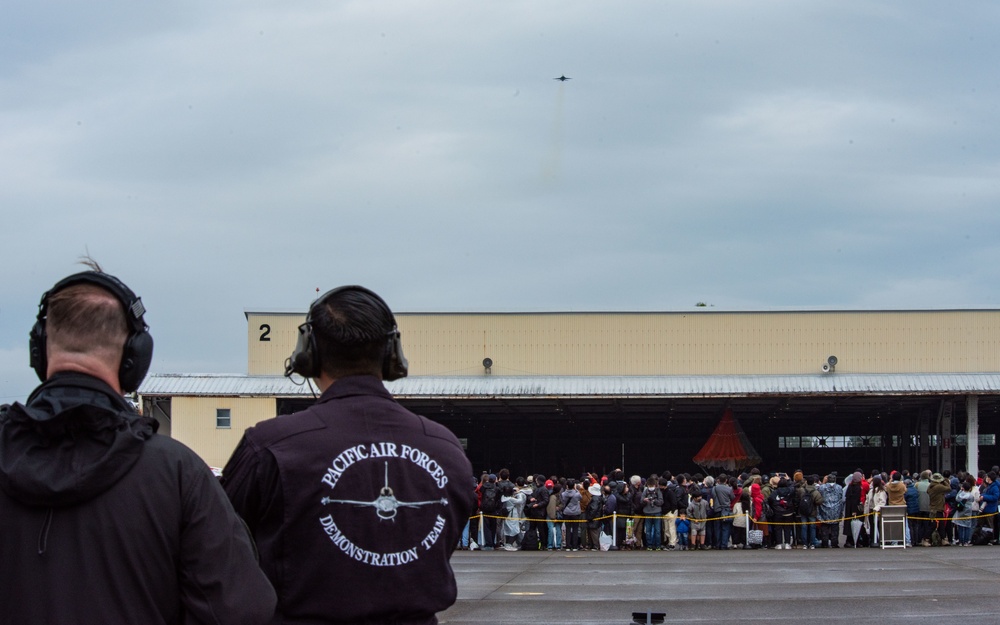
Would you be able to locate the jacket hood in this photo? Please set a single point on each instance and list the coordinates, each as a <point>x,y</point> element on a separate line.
<point>73,439</point>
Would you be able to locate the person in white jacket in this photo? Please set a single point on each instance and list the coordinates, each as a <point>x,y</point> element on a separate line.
<point>877,497</point>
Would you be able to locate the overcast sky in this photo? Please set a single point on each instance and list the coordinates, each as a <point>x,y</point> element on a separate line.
<point>223,156</point>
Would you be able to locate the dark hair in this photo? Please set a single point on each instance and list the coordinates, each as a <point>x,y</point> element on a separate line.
<point>504,474</point>
<point>351,327</point>
<point>508,490</point>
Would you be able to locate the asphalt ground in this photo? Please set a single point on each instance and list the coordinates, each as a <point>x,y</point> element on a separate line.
<point>915,586</point>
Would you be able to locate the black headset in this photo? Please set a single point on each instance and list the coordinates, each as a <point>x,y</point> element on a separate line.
<point>138,351</point>
<point>305,359</point>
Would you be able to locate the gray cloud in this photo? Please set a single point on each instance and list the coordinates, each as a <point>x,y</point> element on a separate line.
<point>750,155</point>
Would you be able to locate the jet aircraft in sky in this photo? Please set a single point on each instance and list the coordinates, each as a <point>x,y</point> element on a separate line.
<point>562,78</point>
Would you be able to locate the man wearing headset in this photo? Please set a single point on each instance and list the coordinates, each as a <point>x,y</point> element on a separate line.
<point>101,520</point>
<point>356,503</point>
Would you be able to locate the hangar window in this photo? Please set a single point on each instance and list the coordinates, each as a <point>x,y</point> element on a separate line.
<point>842,442</point>
<point>984,439</point>
<point>223,418</point>
<point>828,442</point>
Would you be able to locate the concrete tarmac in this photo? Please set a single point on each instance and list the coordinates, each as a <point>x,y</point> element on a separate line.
<point>916,586</point>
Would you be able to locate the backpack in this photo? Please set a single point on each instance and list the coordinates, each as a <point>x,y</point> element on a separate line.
<point>670,503</point>
<point>982,536</point>
<point>683,499</point>
<point>530,540</point>
<point>595,507</point>
<point>782,506</point>
<point>806,506</point>
<point>624,504</point>
<point>491,499</point>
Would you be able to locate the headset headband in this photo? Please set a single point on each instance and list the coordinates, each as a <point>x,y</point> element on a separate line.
<point>305,358</point>
<point>131,303</point>
<point>137,353</point>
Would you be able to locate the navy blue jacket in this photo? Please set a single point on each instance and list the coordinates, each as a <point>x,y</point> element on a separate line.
<point>356,505</point>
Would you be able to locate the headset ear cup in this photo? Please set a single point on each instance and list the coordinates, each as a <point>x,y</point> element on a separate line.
<point>394,365</point>
<point>136,358</point>
<point>304,359</point>
<point>36,350</point>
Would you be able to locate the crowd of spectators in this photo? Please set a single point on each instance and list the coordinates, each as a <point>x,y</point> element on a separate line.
<point>749,510</point>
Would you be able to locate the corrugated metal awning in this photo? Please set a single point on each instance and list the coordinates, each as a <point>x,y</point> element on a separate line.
<point>582,387</point>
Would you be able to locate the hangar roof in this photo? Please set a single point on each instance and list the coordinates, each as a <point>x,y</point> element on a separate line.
<point>540,387</point>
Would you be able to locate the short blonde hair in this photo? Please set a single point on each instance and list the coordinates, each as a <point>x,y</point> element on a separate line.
<point>86,319</point>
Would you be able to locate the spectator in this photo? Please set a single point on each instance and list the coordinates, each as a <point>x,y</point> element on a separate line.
<point>988,504</point>
<point>937,490</point>
<point>652,502</point>
<point>965,508</point>
<point>104,521</point>
<point>355,491</point>
<point>784,504</point>
<point>697,512</point>
<point>683,530</point>
<point>572,514</point>
<point>552,515</point>
<point>876,499</point>
<point>513,504</point>
<point>830,511</point>
<point>854,507</point>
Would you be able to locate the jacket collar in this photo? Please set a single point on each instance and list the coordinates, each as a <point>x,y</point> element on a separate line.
<point>66,390</point>
<point>354,385</point>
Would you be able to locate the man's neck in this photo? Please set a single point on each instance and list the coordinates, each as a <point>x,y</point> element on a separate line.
<point>325,380</point>
<point>85,364</point>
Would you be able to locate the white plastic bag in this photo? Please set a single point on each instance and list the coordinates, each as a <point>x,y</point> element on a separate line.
<point>605,541</point>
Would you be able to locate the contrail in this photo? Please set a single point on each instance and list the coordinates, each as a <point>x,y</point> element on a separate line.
<point>551,165</point>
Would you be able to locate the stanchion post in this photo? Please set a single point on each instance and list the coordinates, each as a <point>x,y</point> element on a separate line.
<point>614,532</point>
<point>482,539</point>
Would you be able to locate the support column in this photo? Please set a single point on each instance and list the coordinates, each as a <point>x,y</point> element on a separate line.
<point>945,440</point>
<point>905,449</point>
<point>924,427</point>
<point>972,434</point>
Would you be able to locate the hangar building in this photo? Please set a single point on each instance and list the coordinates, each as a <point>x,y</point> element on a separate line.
<point>567,392</point>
